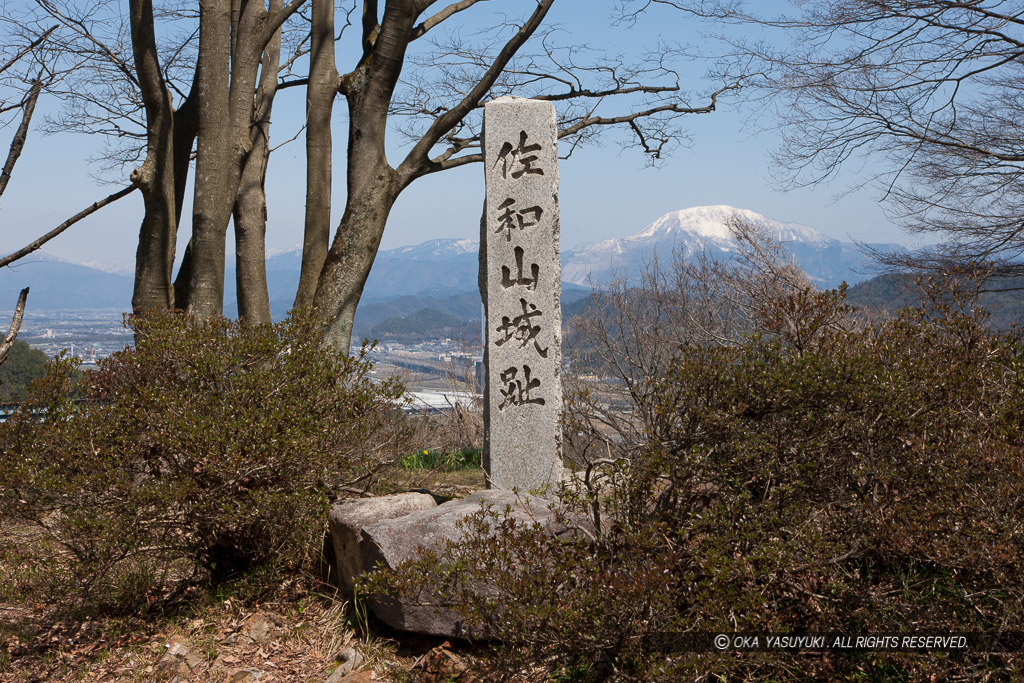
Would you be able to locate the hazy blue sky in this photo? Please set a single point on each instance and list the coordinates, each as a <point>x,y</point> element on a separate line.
<point>605,192</point>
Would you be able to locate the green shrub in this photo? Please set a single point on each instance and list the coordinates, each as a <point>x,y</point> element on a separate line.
<point>212,447</point>
<point>22,365</point>
<point>813,477</point>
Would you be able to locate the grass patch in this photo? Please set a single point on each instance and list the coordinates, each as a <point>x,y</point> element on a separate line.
<point>429,459</point>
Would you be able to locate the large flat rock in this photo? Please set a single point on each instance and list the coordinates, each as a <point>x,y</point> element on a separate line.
<point>386,542</point>
<point>346,522</point>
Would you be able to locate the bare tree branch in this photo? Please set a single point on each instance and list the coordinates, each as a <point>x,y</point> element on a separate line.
<point>294,83</point>
<point>571,94</point>
<point>421,29</point>
<point>88,211</point>
<point>31,46</point>
<point>12,332</point>
<point>81,29</point>
<point>416,162</point>
<point>632,118</point>
<point>18,142</point>
<point>273,22</point>
<point>371,25</point>
<point>446,163</point>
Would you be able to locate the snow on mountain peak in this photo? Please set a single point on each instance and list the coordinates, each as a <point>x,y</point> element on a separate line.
<point>690,231</point>
<point>463,246</point>
<point>712,223</point>
<point>702,221</point>
<point>437,248</point>
<point>278,251</point>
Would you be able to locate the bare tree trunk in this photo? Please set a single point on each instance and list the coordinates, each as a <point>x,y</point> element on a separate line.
<point>351,256</point>
<point>12,332</point>
<point>211,206</point>
<point>251,204</point>
<point>186,125</point>
<point>154,258</point>
<point>320,94</point>
<point>230,50</point>
<point>373,185</point>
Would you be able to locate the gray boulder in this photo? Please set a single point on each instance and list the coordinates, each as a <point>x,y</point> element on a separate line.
<point>387,542</point>
<point>346,522</point>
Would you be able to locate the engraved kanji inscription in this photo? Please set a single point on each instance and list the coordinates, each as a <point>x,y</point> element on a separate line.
<point>517,389</point>
<point>519,159</point>
<point>509,219</point>
<point>521,328</point>
<point>529,282</point>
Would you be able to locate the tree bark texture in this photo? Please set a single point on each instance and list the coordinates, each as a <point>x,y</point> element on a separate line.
<point>154,258</point>
<point>232,39</point>
<point>251,203</point>
<point>351,257</point>
<point>186,124</point>
<point>12,332</point>
<point>373,185</point>
<point>215,187</point>
<point>320,94</point>
<point>18,142</point>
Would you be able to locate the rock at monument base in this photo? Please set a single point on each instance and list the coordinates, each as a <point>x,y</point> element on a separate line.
<point>387,542</point>
<point>346,522</point>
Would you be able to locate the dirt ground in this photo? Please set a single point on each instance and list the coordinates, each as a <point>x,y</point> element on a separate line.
<point>302,632</point>
<point>301,637</point>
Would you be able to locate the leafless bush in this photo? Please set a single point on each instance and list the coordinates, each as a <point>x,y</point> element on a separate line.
<point>634,328</point>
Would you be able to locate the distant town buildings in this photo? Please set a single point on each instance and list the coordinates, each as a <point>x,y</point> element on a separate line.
<point>90,334</point>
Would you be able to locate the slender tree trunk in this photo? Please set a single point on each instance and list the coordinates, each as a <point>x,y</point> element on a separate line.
<point>186,123</point>
<point>211,211</point>
<point>154,258</point>
<point>320,94</point>
<point>373,185</point>
<point>18,142</point>
<point>251,204</point>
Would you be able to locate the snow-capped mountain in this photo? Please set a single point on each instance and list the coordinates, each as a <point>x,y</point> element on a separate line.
<point>120,268</point>
<point>59,284</point>
<point>445,267</point>
<point>706,229</point>
<point>712,223</point>
<point>448,267</point>
<point>432,250</point>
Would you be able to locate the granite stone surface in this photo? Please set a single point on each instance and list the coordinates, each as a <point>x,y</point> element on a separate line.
<point>520,282</point>
<point>346,522</point>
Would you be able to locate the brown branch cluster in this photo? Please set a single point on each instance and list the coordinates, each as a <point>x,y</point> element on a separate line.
<point>592,91</point>
<point>927,94</point>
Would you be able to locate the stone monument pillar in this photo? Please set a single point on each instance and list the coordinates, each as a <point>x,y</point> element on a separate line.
<point>520,282</point>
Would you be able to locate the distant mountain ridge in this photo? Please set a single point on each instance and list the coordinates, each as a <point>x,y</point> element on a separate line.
<point>440,270</point>
<point>57,284</point>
